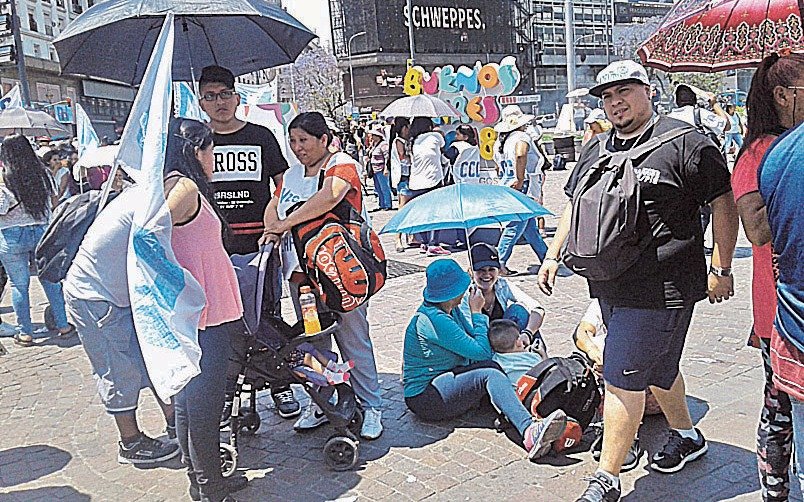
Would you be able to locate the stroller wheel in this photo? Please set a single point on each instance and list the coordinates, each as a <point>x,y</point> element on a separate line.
<point>50,321</point>
<point>341,453</point>
<point>357,422</point>
<point>250,422</point>
<point>228,460</point>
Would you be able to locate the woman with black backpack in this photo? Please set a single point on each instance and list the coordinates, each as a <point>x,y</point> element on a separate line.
<point>24,212</point>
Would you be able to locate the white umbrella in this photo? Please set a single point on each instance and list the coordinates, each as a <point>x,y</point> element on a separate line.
<point>419,106</point>
<point>30,123</point>
<point>578,93</point>
<point>101,156</point>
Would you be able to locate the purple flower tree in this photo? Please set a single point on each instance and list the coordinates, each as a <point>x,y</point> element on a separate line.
<point>317,82</point>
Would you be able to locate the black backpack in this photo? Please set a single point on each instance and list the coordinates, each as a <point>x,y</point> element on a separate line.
<point>609,229</point>
<point>67,228</point>
<point>565,383</point>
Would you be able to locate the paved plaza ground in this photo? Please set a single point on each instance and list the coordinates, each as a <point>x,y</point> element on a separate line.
<point>58,444</point>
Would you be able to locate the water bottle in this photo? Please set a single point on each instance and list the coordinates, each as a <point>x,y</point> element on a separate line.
<point>309,311</point>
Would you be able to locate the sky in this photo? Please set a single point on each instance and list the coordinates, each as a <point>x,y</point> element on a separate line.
<point>312,13</point>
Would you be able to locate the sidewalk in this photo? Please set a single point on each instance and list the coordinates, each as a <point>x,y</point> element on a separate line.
<point>58,444</point>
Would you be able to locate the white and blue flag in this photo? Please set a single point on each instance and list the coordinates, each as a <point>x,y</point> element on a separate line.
<point>165,299</point>
<point>186,103</point>
<point>12,99</point>
<point>85,133</point>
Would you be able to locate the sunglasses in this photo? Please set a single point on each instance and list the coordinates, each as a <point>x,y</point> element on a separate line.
<point>224,95</point>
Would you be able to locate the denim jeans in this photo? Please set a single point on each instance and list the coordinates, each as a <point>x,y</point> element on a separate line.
<point>455,392</point>
<point>16,245</point>
<point>516,229</point>
<point>732,137</point>
<point>383,188</point>
<point>198,411</point>
<point>432,238</point>
<point>798,439</point>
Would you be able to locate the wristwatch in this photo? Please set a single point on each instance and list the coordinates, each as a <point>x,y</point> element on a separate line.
<point>551,259</point>
<point>720,272</point>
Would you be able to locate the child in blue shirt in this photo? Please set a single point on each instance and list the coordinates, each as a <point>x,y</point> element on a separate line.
<point>515,352</point>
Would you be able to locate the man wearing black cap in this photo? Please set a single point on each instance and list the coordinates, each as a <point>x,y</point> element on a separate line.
<point>648,307</point>
<point>247,157</point>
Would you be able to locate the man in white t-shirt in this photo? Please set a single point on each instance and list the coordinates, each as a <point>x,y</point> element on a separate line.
<point>688,111</point>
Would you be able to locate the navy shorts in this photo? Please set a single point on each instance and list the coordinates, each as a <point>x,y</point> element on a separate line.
<point>643,346</point>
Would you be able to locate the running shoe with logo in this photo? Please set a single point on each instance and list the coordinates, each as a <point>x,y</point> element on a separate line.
<point>600,489</point>
<point>631,458</point>
<point>311,418</point>
<point>146,450</point>
<point>678,451</point>
<point>372,424</point>
<point>437,251</point>
<point>286,404</point>
<point>540,435</point>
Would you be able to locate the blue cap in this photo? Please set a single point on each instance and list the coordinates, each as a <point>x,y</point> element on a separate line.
<point>446,280</point>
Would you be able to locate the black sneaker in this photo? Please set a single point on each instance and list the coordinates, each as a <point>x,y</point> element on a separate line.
<point>632,457</point>
<point>146,450</point>
<point>600,489</point>
<point>233,484</point>
<point>286,403</point>
<point>170,432</point>
<point>678,451</point>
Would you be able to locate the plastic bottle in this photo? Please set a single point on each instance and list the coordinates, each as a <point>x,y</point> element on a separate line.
<point>309,311</point>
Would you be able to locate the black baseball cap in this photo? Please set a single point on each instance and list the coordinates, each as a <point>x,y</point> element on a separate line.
<point>218,75</point>
<point>484,255</point>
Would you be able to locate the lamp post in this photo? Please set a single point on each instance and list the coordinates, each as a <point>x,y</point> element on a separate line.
<point>351,71</point>
<point>569,42</point>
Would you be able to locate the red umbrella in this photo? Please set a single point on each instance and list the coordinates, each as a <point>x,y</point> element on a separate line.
<point>717,35</point>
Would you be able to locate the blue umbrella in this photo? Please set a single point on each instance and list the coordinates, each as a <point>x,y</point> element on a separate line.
<point>464,205</point>
<point>114,39</point>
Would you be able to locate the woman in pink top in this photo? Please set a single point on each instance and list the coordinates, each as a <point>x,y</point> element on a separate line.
<point>198,231</point>
<point>770,113</point>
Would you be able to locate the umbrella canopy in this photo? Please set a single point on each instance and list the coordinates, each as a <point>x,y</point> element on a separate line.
<point>114,39</point>
<point>578,93</point>
<point>30,123</point>
<point>717,35</point>
<point>464,205</point>
<point>419,106</point>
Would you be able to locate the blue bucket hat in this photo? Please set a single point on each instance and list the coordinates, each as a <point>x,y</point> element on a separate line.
<point>446,280</point>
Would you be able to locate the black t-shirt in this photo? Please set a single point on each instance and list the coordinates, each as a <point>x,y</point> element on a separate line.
<point>245,162</point>
<point>496,312</point>
<point>676,179</point>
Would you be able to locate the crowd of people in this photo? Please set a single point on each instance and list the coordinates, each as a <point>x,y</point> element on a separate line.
<point>476,335</point>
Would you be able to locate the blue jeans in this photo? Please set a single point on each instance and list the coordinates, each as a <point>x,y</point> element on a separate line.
<point>16,246</point>
<point>383,188</point>
<point>732,137</point>
<point>432,238</point>
<point>511,235</point>
<point>452,394</point>
<point>198,411</point>
<point>798,438</point>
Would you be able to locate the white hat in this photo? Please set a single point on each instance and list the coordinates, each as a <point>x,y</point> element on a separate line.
<point>512,119</point>
<point>595,115</point>
<point>377,130</point>
<point>619,72</point>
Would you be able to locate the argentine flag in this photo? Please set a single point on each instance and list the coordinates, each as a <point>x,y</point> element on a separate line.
<point>87,137</point>
<point>165,299</point>
<point>12,99</point>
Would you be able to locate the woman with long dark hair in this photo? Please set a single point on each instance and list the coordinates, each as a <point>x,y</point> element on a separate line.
<point>198,231</point>
<point>426,173</point>
<point>399,164</point>
<point>25,197</point>
<point>775,103</point>
<point>321,182</point>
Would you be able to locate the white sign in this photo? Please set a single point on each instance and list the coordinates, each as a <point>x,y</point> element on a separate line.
<point>237,163</point>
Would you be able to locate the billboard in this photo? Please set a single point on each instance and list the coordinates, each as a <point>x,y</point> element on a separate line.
<point>440,26</point>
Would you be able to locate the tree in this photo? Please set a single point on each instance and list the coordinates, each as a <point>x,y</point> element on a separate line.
<point>317,82</point>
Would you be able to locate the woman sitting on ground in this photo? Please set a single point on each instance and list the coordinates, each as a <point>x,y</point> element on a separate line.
<point>502,299</point>
<point>447,369</point>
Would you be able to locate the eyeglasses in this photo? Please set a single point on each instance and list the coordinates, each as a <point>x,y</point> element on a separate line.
<point>224,95</point>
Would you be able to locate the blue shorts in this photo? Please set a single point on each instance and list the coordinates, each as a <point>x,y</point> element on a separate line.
<point>643,346</point>
<point>402,189</point>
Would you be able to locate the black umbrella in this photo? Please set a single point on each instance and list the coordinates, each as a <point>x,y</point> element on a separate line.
<point>114,39</point>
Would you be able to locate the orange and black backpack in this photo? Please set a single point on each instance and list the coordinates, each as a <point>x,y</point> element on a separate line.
<point>341,256</point>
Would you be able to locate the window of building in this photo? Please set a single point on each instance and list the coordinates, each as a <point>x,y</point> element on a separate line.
<point>48,26</point>
<point>60,3</point>
<point>37,50</point>
<point>32,22</point>
<point>90,3</point>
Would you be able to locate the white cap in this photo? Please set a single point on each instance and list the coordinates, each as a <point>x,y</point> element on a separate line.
<point>619,72</point>
<point>595,115</point>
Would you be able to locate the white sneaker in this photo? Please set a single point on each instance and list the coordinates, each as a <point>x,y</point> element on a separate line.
<point>372,424</point>
<point>311,418</point>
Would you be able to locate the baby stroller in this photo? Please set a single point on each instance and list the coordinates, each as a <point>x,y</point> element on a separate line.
<point>263,357</point>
